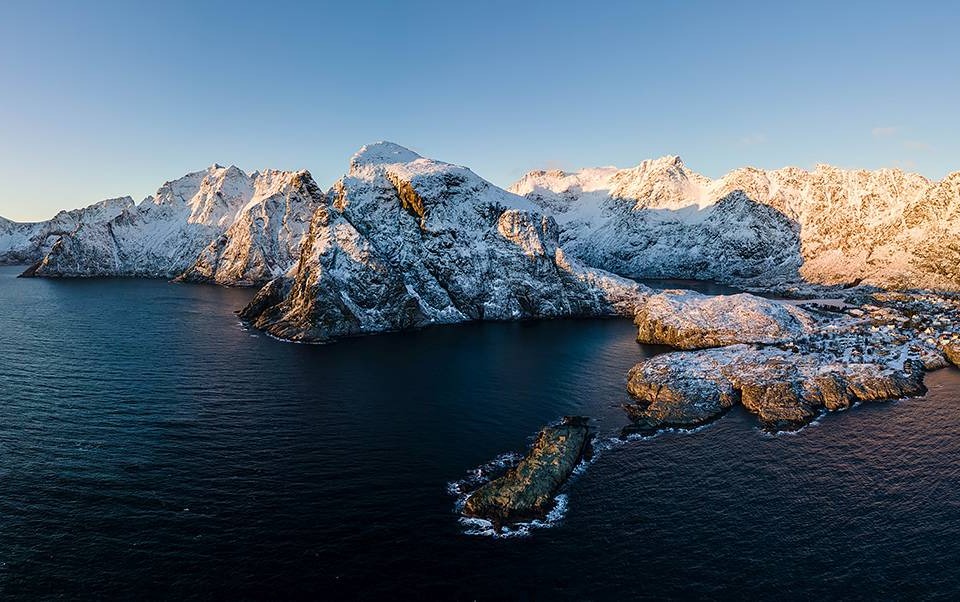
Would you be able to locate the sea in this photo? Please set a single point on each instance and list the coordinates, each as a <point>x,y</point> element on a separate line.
<point>152,446</point>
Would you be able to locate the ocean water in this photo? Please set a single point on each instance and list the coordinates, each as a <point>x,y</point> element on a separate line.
<point>152,447</point>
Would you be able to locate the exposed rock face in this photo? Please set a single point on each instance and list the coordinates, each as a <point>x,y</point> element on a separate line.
<point>677,394</point>
<point>784,389</point>
<point>689,320</point>
<point>527,490</point>
<point>269,295</point>
<point>830,226</point>
<point>405,241</point>
<point>22,243</point>
<point>217,225</point>
<point>952,351</point>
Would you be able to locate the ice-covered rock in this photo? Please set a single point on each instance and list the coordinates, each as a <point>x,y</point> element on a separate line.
<point>28,242</point>
<point>689,320</point>
<point>404,241</point>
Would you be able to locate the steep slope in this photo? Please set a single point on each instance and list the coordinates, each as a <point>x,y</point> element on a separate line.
<point>405,241</point>
<point>22,243</point>
<point>218,224</point>
<point>829,225</point>
<point>265,238</point>
<point>658,220</point>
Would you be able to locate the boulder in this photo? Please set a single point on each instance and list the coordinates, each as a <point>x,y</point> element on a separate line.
<point>952,351</point>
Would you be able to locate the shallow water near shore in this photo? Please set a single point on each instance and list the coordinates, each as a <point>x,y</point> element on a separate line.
<point>150,445</point>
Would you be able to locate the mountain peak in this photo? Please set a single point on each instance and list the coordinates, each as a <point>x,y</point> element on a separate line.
<point>666,161</point>
<point>383,152</point>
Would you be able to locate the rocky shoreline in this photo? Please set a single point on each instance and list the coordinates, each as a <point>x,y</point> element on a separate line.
<point>875,347</point>
<point>793,365</point>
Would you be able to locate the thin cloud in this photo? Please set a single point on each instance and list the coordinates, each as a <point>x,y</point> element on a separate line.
<point>884,132</point>
<point>753,139</point>
<point>917,145</point>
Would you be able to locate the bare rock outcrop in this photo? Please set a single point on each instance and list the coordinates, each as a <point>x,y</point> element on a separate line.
<point>785,390</point>
<point>689,320</point>
<point>527,491</point>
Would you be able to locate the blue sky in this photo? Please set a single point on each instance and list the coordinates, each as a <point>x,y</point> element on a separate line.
<point>104,99</point>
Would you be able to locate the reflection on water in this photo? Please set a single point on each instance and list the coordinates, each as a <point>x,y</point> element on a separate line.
<point>151,445</point>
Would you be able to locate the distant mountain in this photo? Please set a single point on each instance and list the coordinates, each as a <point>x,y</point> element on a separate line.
<point>831,226</point>
<point>218,225</point>
<point>28,242</point>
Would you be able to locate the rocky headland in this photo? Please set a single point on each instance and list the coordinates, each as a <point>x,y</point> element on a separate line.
<point>876,348</point>
<point>688,320</point>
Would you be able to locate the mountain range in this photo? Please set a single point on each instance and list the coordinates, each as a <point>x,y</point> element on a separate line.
<point>660,219</point>
<point>827,226</point>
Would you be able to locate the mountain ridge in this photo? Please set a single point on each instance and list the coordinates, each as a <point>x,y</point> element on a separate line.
<point>882,227</point>
<point>750,227</point>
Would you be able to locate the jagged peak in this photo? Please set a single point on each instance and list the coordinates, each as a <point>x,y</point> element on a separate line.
<point>672,160</point>
<point>119,200</point>
<point>382,152</point>
<point>950,178</point>
<point>273,174</point>
<point>272,181</point>
<point>664,162</point>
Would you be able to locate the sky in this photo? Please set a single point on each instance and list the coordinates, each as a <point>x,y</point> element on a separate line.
<point>101,99</point>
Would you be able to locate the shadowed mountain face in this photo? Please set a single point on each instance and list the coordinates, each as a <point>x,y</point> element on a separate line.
<point>830,226</point>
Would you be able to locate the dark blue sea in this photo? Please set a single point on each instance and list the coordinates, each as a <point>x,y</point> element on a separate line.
<point>151,447</point>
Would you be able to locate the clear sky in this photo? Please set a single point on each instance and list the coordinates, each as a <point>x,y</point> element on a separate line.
<point>101,99</point>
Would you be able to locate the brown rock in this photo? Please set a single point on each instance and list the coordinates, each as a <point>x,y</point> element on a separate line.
<point>527,490</point>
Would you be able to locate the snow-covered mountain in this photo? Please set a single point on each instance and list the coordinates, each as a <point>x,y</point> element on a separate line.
<point>658,219</point>
<point>265,238</point>
<point>218,225</point>
<point>829,225</point>
<point>404,241</point>
<point>28,242</point>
